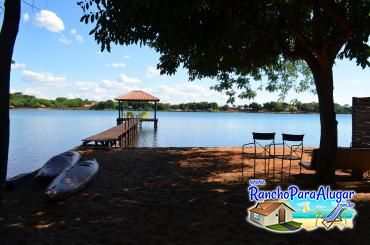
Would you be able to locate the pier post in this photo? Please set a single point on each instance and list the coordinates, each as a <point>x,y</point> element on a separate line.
<point>155,114</point>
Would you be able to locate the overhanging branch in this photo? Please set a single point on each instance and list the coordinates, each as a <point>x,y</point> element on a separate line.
<point>286,51</point>
<point>331,11</point>
<point>299,36</point>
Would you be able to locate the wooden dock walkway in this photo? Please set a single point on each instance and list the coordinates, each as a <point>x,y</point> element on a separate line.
<point>121,135</point>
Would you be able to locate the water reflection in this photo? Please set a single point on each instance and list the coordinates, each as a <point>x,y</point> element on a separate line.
<point>147,136</point>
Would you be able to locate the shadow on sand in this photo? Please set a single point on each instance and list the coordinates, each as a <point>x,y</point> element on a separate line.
<point>156,196</point>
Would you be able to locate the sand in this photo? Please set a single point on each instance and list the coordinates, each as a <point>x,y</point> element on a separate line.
<point>163,196</point>
<point>310,224</point>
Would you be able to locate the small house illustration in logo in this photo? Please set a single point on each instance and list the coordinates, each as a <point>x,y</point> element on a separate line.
<point>269,213</point>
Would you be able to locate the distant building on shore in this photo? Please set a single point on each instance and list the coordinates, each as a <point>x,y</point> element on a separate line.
<point>89,105</point>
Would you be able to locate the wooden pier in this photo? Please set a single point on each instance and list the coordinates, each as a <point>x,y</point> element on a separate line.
<point>125,132</point>
<point>122,135</point>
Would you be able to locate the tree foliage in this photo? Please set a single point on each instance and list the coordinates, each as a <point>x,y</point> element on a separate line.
<point>237,42</point>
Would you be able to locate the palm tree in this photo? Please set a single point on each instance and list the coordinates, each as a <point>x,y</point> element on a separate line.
<point>319,214</point>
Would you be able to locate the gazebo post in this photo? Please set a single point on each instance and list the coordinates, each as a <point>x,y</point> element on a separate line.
<point>155,114</point>
<point>119,109</point>
<point>119,112</point>
<point>138,96</point>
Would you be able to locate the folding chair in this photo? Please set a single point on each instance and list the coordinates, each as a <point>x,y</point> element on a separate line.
<point>334,216</point>
<point>293,142</point>
<point>262,143</point>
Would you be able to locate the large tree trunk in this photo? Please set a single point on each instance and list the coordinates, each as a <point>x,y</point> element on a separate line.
<point>323,76</point>
<point>8,35</point>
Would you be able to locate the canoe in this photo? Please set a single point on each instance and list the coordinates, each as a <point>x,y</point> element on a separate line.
<point>57,164</point>
<point>72,180</point>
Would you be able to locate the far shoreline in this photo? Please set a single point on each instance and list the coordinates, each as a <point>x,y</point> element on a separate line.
<point>247,112</point>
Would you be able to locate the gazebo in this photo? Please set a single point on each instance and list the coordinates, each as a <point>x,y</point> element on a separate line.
<point>137,96</point>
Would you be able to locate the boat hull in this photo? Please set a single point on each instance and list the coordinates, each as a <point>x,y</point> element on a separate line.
<point>72,180</point>
<point>55,165</point>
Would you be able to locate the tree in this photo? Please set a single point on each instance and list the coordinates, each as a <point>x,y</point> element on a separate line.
<point>319,214</point>
<point>237,41</point>
<point>255,107</point>
<point>8,35</point>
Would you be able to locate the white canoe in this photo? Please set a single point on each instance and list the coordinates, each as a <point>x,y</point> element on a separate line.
<point>72,179</point>
<point>57,164</point>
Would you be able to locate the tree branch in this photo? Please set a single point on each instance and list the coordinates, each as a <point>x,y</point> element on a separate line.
<point>31,5</point>
<point>286,51</point>
<point>300,37</point>
<point>316,35</point>
<point>334,46</point>
<point>331,11</point>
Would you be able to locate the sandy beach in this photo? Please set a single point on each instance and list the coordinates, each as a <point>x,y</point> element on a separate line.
<point>310,224</point>
<point>164,196</point>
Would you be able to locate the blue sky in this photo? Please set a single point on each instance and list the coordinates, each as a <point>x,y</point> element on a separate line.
<point>308,208</point>
<point>57,58</point>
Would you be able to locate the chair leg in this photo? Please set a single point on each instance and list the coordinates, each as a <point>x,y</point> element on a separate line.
<point>281,173</point>
<point>273,169</point>
<point>242,164</point>
<point>254,174</point>
<point>265,167</point>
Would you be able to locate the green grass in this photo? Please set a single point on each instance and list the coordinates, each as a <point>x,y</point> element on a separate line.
<point>277,227</point>
<point>295,224</point>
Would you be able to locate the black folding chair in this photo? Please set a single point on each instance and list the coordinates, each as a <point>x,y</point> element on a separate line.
<point>262,143</point>
<point>292,151</point>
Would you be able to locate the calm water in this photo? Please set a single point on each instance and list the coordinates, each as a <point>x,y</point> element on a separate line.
<point>37,135</point>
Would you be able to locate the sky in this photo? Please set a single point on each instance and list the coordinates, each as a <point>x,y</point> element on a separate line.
<point>55,57</point>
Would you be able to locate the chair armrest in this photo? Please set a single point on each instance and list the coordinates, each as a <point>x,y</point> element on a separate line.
<point>296,147</point>
<point>247,144</point>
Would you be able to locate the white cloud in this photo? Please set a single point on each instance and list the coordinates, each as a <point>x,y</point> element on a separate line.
<point>76,36</point>
<point>109,84</point>
<point>355,81</point>
<point>79,38</point>
<point>102,90</point>
<point>127,57</point>
<point>38,92</point>
<point>187,92</point>
<point>105,89</point>
<point>116,65</point>
<point>64,40</point>
<point>42,77</point>
<point>49,20</point>
<point>18,65</point>
<point>151,72</point>
<point>26,17</point>
<point>128,80</point>
<point>84,86</point>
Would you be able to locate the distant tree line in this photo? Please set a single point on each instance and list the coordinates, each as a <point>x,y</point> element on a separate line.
<point>295,106</point>
<point>19,100</point>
